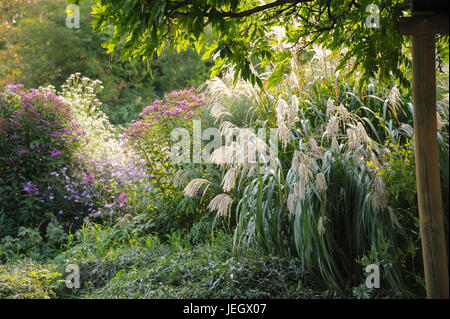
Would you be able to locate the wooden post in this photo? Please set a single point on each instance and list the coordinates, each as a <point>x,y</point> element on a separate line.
<point>427,165</point>
<point>428,19</point>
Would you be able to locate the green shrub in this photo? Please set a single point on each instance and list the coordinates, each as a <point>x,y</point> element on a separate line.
<point>27,280</point>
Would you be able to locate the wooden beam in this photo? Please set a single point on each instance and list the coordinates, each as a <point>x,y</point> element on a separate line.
<point>427,166</point>
<point>424,24</point>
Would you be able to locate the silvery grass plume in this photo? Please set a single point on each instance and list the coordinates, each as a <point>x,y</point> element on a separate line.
<point>229,179</point>
<point>332,128</point>
<point>395,98</point>
<point>222,204</point>
<point>194,186</point>
<point>291,203</point>
<point>379,193</point>
<point>227,129</point>
<point>179,177</point>
<point>287,116</point>
<point>323,220</point>
<point>321,183</point>
<point>301,167</point>
<point>225,154</point>
<point>334,144</point>
<point>315,150</point>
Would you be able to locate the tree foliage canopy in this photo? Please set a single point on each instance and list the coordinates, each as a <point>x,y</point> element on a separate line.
<point>235,31</point>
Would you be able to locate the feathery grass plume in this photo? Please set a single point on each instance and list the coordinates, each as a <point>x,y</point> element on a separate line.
<point>315,150</point>
<point>332,127</point>
<point>299,190</point>
<point>194,186</point>
<point>357,157</point>
<point>225,154</point>
<point>218,111</point>
<point>293,110</point>
<point>321,55</point>
<point>334,144</point>
<point>321,183</point>
<point>218,89</point>
<point>293,78</point>
<point>286,117</point>
<point>222,204</point>
<point>229,180</point>
<point>344,115</point>
<point>227,129</point>
<point>362,134</point>
<point>379,193</point>
<point>395,98</point>
<point>352,139</point>
<point>321,225</point>
<point>300,166</point>
<point>331,108</point>
<point>291,202</point>
<point>284,133</point>
<point>178,177</point>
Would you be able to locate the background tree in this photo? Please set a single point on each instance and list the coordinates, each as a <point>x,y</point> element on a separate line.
<point>37,49</point>
<point>144,28</point>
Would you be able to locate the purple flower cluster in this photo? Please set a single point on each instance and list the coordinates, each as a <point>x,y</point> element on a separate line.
<point>181,105</point>
<point>102,189</point>
<point>31,188</point>
<point>13,87</point>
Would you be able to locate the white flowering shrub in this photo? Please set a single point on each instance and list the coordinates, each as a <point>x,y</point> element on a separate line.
<point>101,137</point>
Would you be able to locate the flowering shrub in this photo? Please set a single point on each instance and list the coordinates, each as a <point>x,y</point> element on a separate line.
<point>150,137</point>
<point>61,165</point>
<point>154,127</point>
<point>37,137</point>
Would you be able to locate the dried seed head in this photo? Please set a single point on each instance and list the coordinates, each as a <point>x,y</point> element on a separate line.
<point>331,108</point>
<point>379,194</point>
<point>229,180</point>
<point>178,177</point>
<point>362,134</point>
<point>218,111</point>
<point>314,147</point>
<point>352,139</point>
<point>395,97</point>
<point>299,190</point>
<point>284,133</point>
<point>321,225</point>
<point>224,155</point>
<point>222,204</point>
<point>332,127</point>
<point>194,186</point>
<point>291,203</point>
<point>321,183</point>
<point>343,112</point>
<point>334,144</point>
<point>293,110</point>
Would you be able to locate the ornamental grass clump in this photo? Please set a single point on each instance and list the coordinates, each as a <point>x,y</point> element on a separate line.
<point>327,193</point>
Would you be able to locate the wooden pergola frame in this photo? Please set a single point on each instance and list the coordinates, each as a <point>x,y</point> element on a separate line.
<point>428,19</point>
